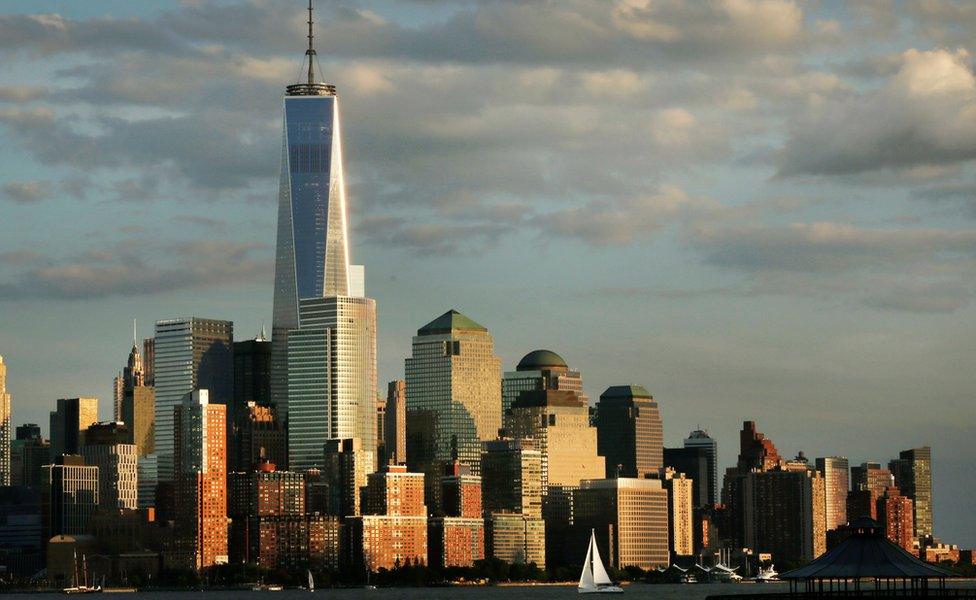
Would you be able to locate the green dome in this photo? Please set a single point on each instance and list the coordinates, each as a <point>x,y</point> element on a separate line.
<point>541,359</point>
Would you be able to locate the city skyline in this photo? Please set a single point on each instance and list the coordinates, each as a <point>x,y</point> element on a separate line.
<point>724,331</point>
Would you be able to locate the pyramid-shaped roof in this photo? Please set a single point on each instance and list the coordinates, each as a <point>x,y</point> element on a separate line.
<point>625,392</point>
<point>450,321</point>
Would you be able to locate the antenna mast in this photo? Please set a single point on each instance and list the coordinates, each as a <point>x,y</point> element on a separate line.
<point>310,53</point>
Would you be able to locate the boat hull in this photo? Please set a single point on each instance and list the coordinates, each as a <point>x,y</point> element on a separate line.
<point>608,589</point>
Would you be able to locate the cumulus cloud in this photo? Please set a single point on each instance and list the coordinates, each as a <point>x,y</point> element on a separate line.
<point>924,115</point>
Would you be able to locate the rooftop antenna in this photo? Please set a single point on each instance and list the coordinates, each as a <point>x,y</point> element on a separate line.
<point>310,53</point>
<point>134,333</point>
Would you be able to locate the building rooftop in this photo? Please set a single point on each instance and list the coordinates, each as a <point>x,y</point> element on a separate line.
<point>450,321</point>
<point>625,392</point>
<point>541,359</point>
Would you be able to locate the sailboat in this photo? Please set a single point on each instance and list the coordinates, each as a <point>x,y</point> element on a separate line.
<point>594,578</point>
<point>311,581</point>
<point>79,587</point>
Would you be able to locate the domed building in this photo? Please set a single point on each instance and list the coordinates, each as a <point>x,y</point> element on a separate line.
<point>540,370</point>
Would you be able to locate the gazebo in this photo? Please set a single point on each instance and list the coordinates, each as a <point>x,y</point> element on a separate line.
<point>867,555</point>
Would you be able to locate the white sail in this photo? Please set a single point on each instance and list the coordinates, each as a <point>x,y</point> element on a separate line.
<point>600,576</point>
<point>586,577</point>
<point>311,582</point>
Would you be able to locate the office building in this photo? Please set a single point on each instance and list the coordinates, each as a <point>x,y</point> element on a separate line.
<point>511,476</point>
<point>380,433</point>
<point>260,436</point>
<point>912,471</point>
<point>149,362</point>
<point>629,517</point>
<point>106,448</point>
<point>836,475</point>
<point>897,516</point>
<point>681,516</point>
<point>558,423</point>
<point>28,431</point>
<point>252,386</point>
<point>69,496</point>
<point>139,415</point>
<point>699,438</point>
<point>516,538</point>
<point>312,255</point>
<point>694,463</point>
<point>200,466</point>
<point>540,370</point>
<point>5,427</point>
<point>69,422</point>
<point>630,433</point>
<point>453,393</point>
<point>190,354</point>
<point>395,422</point>
<point>147,477</point>
<point>20,526</point>
<point>346,468</point>
<point>331,384</point>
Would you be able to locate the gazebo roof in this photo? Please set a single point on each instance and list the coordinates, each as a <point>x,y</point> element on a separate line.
<point>867,553</point>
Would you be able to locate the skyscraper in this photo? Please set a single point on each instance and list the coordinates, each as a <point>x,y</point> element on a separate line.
<point>200,464</point>
<point>252,385</point>
<point>189,354</point>
<point>106,447</point>
<point>331,377</point>
<point>4,426</point>
<point>69,496</point>
<point>69,422</point>
<point>836,474</point>
<point>540,370</point>
<point>868,483</point>
<point>395,428</point>
<point>312,256</point>
<point>680,515</point>
<point>693,462</point>
<point>699,438</point>
<point>913,476</point>
<point>453,391</point>
<point>630,434</point>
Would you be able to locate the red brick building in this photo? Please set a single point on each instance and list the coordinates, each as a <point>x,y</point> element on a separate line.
<point>895,513</point>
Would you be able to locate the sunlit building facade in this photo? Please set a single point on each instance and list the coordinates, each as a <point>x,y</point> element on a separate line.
<point>912,471</point>
<point>540,370</point>
<point>836,475</point>
<point>4,427</point>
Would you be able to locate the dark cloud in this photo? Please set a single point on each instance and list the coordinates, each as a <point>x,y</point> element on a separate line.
<point>26,192</point>
<point>136,269</point>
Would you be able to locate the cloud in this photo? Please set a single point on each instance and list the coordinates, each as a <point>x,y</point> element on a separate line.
<point>26,192</point>
<point>924,115</point>
<point>429,239</point>
<point>137,270</point>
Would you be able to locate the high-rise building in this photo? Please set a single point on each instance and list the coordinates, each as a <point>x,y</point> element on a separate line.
<point>106,448</point>
<point>69,422</point>
<point>331,377</point>
<point>261,436</point>
<point>694,463</point>
<point>149,361</point>
<point>699,438</point>
<point>458,538</point>
<point>4,426</point>
<point>680,514</point>
<point>540,370</point>
<point>836,474</point>
<point>189,354</point>
<point>312,256</point>
<point>558,422</point>
<point>785,516</point>
<point>453,392</point>
<point>252,385</point>
<point>913,476</point>
<point>346,468</point>
<point>896,515</point>
<point>629,517</point>
<point>28,453</point>
<point>200,465</point>
<point>139,415</point>
<point>131,376</point>
<point>69,496</point>
<point>868,483</point>
<point>28,431</point>
<point>380,426</point>
<point>511,476</point>
<point>395,425</point>
<point>516,538</point>
<point>147,476</point>
<point>394,530</point>
<point>630,434</point>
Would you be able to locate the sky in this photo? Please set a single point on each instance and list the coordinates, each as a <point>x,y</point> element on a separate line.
<point>758,209</point>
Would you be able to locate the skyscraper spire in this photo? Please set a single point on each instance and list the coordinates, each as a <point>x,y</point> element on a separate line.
<point>134,342</point>
<point>310,53</point>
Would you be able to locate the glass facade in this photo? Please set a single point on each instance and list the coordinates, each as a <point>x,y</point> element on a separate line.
<point>700,439</point>
<point>331,377</point>
<point>190,354</point>
<point>312,258</point>
<point>4,427</point>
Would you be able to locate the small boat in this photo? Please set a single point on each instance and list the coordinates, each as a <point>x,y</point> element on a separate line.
<point>311,581</point>
<point>594,578</point>
<point>766,575</point>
